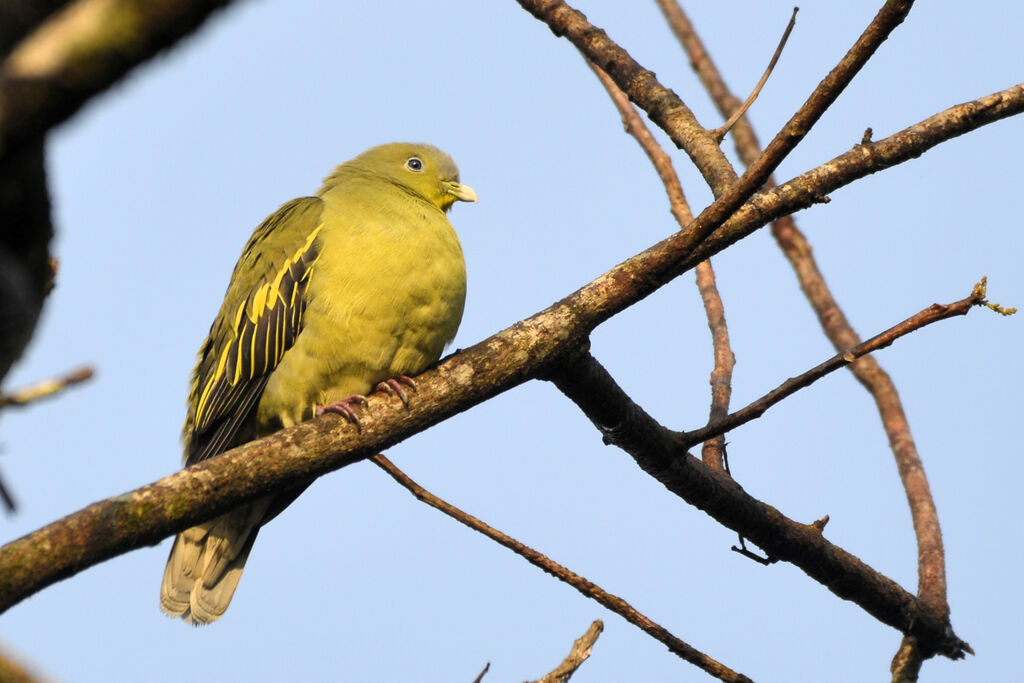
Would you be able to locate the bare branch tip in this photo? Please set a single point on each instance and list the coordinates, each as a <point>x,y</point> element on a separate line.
<point>580,653</point>
<point>719,133</point>
<point>7,499</point>
<point>480,677</point>
<point>46,388</point>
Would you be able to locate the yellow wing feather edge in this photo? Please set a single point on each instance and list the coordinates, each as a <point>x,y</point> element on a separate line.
<point>262,303</point>
<point>258,331</point>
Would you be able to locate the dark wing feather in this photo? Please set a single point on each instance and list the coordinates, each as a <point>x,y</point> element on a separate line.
<point>258,322</point>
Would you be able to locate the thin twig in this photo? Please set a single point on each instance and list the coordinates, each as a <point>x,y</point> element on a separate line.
<point>47,388</point>
<point>661,161</point>
<point>480,676</point>
<point>663,105</point>
<point>7,498</point>
<point>932,314</point>
<point>713,451</point>
<point>579,653</point>
<point>719,133</point>
<point>584,586</point>
<point>891,15</point>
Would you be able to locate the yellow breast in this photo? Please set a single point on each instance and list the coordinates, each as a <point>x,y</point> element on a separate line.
<point>385,297</point>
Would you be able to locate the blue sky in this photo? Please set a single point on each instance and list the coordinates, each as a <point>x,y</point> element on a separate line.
<point>158,183</point>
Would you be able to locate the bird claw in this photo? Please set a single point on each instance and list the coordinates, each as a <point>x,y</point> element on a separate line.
<point>344,408</point>
<point>393,387</point>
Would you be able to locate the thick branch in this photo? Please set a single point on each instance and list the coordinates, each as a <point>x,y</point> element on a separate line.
<point>18,18</point>
<point>26,269</point>
<point>83,50</point>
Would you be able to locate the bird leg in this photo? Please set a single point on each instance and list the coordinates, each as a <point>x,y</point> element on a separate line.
<point>393,387</point>
<point>343,408</point>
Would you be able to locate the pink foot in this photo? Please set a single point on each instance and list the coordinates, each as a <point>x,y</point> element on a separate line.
<point>344,408</point>
<point>393,387</point>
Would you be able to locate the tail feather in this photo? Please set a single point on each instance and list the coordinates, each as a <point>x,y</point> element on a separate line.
<point>206,563</point>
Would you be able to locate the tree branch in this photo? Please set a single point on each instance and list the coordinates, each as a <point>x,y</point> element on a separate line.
<point>863,159</point>
<point>562,573</point>
<point>932,314</point>
<point>81,51</point>
<point>658,452</point>
<point>666,110</point>
<point>713,450</point>
<point>931,556</point>
<point>906,663</point>
<point>26,268</point>
<point>46,388</point>
<point>579,653</point>
<point>528,349</point>
<point>662,105</point>
<point>721,374</point>
<point>18,18</point>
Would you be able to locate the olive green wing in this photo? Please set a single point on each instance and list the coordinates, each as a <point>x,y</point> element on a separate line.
<point>258,322</point>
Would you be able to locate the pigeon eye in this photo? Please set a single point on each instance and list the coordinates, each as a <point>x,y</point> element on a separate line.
<point>414,164</point>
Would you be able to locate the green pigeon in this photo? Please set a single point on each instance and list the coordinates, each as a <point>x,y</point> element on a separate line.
<point>360,286</point>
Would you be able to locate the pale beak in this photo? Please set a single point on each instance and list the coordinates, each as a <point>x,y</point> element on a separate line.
<point>464,193</point>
